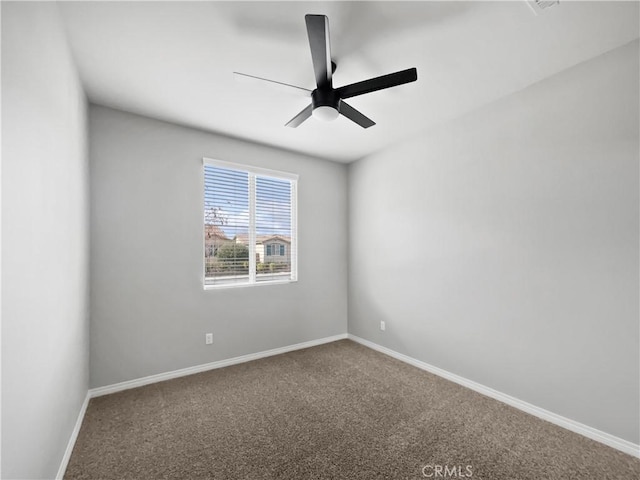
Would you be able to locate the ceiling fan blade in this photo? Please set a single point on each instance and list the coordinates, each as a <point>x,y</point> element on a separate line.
<point>318,31</point>
<point>301,117</point>
<point>378,83</point>
<point>284,87</point>
<point>355,116</point>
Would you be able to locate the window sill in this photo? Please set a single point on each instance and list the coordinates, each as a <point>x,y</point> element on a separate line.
<point>245,285</point>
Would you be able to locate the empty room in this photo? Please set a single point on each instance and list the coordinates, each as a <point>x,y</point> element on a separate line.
<point>320,240</point>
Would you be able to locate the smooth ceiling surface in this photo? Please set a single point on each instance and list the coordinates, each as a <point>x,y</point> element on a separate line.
<point>174,61</point>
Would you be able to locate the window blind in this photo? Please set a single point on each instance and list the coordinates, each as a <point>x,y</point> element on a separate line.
<point>249,225</point>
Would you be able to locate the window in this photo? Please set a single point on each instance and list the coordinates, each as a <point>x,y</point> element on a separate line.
<point>244,208</point>
<point>275,249</point>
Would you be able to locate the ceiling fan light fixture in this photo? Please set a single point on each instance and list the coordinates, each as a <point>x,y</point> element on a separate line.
<point>326,104</point>
<point>325,113</point>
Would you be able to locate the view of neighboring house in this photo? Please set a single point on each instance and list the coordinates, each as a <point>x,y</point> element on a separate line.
<point>273,253</point>
<point>269,248</point>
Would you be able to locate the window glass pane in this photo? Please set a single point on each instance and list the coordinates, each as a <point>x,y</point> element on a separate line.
<point>226,218</point>
<point>273,224</point>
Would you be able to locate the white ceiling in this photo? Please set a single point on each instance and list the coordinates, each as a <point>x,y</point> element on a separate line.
<point>174,61</point>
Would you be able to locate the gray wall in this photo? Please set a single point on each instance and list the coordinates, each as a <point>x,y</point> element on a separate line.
<point>503,246</point>
<point>45,239</point>
<point>149,312</point>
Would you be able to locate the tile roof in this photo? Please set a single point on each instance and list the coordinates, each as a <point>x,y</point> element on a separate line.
<point>244,238</point>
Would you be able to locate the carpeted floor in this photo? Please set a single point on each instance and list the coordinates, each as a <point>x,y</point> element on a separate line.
<point>339,411</point>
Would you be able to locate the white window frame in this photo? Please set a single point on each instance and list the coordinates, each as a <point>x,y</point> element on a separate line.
<point>253,172</point>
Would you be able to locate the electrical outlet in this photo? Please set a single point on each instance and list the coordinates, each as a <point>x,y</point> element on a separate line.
<point>208,338</point>
<point>383,326</point>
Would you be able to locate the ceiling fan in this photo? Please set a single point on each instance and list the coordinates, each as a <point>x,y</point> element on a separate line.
<point>327,103</point>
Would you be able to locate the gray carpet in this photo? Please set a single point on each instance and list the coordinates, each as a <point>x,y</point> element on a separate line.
<point>338,411</point>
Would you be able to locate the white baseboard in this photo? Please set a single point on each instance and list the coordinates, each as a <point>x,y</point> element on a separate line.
<point>577,427</point>
<point>73,438</point>
<point>139,382</point>
<point>589,432</point>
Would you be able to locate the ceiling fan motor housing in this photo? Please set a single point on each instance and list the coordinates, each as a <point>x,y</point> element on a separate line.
<point>325,98</point>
